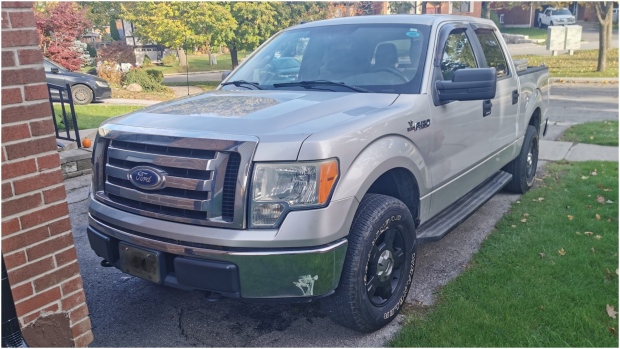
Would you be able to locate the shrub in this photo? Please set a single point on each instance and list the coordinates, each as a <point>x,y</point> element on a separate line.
<point>156,75</point>
<point>169,60</point>
<point>92,51</point>
<point>117,52</point>
<point>146,62</point>
<point>142,78</point>
<point>109,72</point>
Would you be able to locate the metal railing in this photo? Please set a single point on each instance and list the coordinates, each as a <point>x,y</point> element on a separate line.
<point>67,122</point>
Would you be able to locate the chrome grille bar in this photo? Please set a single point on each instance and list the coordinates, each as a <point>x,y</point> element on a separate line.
<point>159,160</point>
<point>157,199</point>
<point>171,181</point>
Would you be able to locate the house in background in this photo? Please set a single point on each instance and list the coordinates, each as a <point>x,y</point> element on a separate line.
<point>152,50</point>
<point>522,15</point>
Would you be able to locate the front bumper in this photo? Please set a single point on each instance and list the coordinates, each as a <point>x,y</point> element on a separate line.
<point>103,92</point>
<point>289,273</point>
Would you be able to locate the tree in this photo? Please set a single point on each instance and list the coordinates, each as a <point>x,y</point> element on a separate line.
<point>401,6</point>
<point>604,13</point>
<point>116,36</point>
<point>291,13</point>
<point>59,25</point>
<point>180,25</point>
<point>101,13</point>
<point>117,52</point>
<point>256,22</point>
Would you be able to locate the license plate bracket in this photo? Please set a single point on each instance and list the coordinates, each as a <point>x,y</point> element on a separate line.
<point>140,262</point>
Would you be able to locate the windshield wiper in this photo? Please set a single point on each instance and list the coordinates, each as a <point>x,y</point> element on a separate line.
<point>242,83</point>
<point>311,83</point>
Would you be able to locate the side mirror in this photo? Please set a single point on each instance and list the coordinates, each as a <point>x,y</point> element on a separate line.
<point>468,85</point>
<point>55,70</point>
<point>225,74</point>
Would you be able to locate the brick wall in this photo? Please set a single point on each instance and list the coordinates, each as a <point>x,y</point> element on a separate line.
<point>37,243</point>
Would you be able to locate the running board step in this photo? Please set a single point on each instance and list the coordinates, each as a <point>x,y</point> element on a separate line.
<point>440,225</point>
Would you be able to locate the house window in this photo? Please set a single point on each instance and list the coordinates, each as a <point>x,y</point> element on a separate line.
<point>501,18</point>
<point>461,6</point>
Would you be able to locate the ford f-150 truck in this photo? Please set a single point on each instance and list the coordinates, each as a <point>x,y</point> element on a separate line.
<point>318,179</point>
<point>554,16</point>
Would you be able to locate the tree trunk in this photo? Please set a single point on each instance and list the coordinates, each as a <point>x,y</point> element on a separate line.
<point>609,29</point>
<point>182,57</point>
<point>604,12</point>
<point>233,56</point>
<point>602,48</point>
<point>486,11</point>
<point>423,7</point>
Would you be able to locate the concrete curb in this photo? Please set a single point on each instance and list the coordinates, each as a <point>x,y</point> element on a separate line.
<point>584,80</point>
<point>195,73</point>
<point>569,151</point>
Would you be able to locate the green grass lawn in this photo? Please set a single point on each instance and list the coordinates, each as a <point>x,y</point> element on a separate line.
<point>199,63</point>
<point>92,115</point>
<point>543,278</point>
<point>533,33</point>
<point>581,64</point>
<point>204,85</point>
<point>596,132</point>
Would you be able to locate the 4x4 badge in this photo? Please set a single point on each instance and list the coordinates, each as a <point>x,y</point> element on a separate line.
<point>418,125</point>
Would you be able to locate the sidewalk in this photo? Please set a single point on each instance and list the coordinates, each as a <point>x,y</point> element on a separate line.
<point>556,151</point>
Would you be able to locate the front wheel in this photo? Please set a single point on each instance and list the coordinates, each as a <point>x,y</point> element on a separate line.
<point>540,25</point>
<point>378,267</point>
<point>81,94</point>
<point>523,168</point>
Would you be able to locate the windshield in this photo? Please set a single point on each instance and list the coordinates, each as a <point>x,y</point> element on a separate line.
<point>561,12</point>
<point>381,58</point>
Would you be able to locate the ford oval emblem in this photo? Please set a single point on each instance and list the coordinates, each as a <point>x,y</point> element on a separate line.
<point>146,177</point>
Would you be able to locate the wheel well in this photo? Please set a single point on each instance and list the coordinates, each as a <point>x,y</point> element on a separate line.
<point>85,85</point>
<point>535,120</point>
<point>401,184</point>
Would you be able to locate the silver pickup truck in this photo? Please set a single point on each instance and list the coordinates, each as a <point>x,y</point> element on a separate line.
<point>320,163</point>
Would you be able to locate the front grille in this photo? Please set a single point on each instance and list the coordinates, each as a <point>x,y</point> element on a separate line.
<point>194,191</point>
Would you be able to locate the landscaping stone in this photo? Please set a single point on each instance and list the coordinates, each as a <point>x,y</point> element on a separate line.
<point>134,88</point>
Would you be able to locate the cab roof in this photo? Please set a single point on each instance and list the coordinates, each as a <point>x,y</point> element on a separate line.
<point>393,19</point>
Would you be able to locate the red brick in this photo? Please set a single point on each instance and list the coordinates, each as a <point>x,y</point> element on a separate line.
<point>51,309</point>
<point>81,327</point>
<point>30,56</point>
<point>24,239</point>
<point>53,195</point>
<point>14,38</point>
<point>41,127</point>
<point>15,132</point>
<point>73,300</point>
<point>44,215</point>
<point>22,19</point>
<point>30,147</point>
<point>5,19</point>
<point>22,291</point>
<point>29,112</point>
<point>17,4</point>
<point>19,168</point>
<point>10,226</point>
<point>30,270</point>
<point>8,57</point>
<point>59,226</point>
<point>84,340</point>
<point>38,301</point>
<point>7,190</point>
<point>11,207</point>
<point>15,260</point>
<point>72,285</point>
<point>35,92</point>
<point>38,181</point>
<point>78,313</point>
<point>65,257</point>
<point>49,247</point>
<point>23,76</point>
<point>47,162</point>
<point>56,277</point>
<point>11,95</point>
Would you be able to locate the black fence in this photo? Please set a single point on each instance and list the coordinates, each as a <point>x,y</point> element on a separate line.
<point>69,122</point>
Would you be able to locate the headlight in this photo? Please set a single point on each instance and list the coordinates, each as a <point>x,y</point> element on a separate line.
<point>281,187</point>
<point>101,83</point>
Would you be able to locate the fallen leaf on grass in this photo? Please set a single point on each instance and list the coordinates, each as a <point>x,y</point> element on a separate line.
<point>513,226</point>
<point>592,249</point>
<point>526,215</point>
<point>584,177</point>
<point>617,272</point>
<point>518,202</point>
<point>570,218</point>
<point>591,138</point>
<point>561,252</point>
<point>588,233</point>
<point>611,311</point>
<point>600,199</point>
<point>598,237</point>
<point>613,331</point>
<point>577,233</point>
<point>606,189</point>
<point>542,255</point>
<point>594,173</point>
<point>588,207</point>
<point>523,220</point>
<point>609,202</point>
<point>598,217</point>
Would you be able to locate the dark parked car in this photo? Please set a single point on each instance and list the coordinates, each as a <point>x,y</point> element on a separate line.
<point>84,88</point>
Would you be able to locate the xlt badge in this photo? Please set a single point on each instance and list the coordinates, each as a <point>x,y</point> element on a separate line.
<point>418,125</point>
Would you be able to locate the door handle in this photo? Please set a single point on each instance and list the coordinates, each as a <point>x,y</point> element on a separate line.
<point>515,97</point>
<point>486,107</point>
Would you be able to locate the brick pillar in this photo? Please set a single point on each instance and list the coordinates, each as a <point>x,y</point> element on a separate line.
<point>37,243</point>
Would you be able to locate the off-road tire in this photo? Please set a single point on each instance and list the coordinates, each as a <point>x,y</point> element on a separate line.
<point>378,218</point>
<point>523,168</point>
<point>81,94</point>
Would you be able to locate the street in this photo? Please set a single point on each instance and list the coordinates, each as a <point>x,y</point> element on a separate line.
<point>129,312</point>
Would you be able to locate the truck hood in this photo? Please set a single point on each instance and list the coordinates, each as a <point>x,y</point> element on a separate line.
<point>293,115</point>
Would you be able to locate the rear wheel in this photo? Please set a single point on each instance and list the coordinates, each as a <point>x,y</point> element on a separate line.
<point>82,94</point>
<point>378,268</point>
<point>523,168</point>
<point>540,25</point>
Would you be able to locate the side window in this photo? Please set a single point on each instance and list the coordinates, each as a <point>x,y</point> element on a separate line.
<point>457,54</point>
<point>493,52</point>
